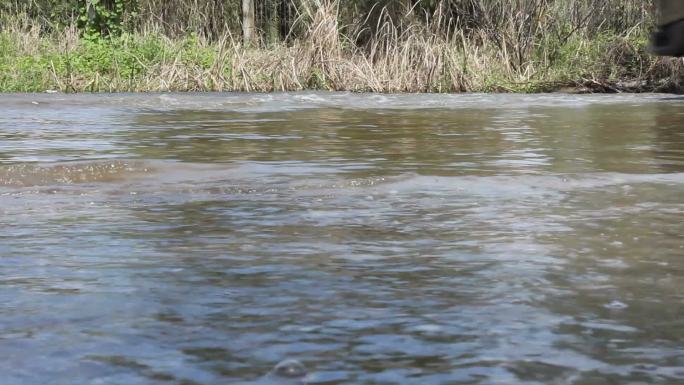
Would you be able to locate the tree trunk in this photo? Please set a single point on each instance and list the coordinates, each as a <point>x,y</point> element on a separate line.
<point>248,22</point>
<point>285,14</point>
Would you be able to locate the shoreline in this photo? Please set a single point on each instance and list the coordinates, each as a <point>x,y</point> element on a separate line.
<point>344,99</point>
<point>76,72</point>
<point>608,88</point>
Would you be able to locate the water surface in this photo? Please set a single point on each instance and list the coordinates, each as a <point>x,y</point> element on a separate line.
<point>378,239</point>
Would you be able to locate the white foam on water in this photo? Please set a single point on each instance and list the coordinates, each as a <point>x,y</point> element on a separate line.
<point>285,101</point>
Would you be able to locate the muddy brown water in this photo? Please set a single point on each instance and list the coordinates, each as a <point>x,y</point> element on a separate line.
<point>378,239</point>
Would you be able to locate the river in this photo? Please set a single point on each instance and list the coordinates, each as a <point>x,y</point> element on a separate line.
<point>378,239</point>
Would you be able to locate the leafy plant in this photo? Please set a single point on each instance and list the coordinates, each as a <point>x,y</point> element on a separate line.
<point>101,18</point>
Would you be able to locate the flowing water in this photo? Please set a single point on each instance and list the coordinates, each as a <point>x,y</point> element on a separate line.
<point>378,239</point>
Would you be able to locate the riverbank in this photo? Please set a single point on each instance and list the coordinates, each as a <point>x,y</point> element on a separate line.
<point>408,59</point>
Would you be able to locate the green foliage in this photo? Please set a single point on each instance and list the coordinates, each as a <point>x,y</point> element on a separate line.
<point>197,53</point>
<point>317,80</point>
<point>25,73</point>
<point>98,18</point>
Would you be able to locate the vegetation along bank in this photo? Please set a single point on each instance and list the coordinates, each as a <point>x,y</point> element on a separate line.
<point>355,45</point>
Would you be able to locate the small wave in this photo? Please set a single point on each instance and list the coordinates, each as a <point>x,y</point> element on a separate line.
<point>288,101</point>
<point>527,184</point>
<point>31,174</point>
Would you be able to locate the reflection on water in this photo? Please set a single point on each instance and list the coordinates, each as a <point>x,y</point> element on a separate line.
<point>378,239</point>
